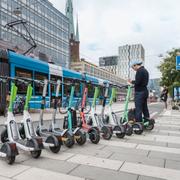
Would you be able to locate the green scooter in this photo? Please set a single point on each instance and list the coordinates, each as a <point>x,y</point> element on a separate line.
<point>71,122</point>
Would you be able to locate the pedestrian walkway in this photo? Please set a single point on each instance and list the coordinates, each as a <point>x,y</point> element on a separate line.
<point>153,155</point>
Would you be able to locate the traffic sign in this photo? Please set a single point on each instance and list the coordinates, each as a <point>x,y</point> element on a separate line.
<point>177,62</point>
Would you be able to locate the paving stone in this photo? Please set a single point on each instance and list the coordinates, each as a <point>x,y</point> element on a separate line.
<point>138,159</point>
<point>96,162</point>
<point>154,143</point>
<point>37,174</point>
<point>151,171</point>
<point>101,174</point>
<point>126,150</point>
<point>10,171</point>
<point>159,149</point>
<point>91,151</point>
<point>51,164</point>
<point>172,145</point>
<point>148,178</point>
<point>3,178</point>
<point>161,155</point>
<point>172,164</point>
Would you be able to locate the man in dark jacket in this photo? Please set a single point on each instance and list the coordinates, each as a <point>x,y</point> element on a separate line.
<point>141,92</point>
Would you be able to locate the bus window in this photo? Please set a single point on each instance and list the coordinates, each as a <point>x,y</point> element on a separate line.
<point>22,88</point>
<point>39,88</point>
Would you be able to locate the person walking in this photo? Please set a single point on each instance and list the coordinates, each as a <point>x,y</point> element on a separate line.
<point>164,96</point>
<point>141,92</point>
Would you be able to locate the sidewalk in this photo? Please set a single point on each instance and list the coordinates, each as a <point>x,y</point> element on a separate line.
<point>153,155</point>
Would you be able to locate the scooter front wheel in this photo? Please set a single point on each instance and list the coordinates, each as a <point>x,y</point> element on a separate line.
<point>36,154</point>
<point>81,137</point>
<point>94,136</point>
<point>106,133</point>
<point>128,129</point>
<point>22,132</point>
<point>120,131</point>
<point>11,155</point>
<point>137,128</point>
<point>69,142</point>
<point>150,126</point>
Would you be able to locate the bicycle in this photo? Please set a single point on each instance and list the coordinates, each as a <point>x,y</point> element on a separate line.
<point>63,105</point>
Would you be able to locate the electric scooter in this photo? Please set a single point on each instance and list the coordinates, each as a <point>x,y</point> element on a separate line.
<point>93,119</point>
<point>111,117</point>
<point>92,131</point>
<point>66,134</point>
<point>148,124</point>
<point>118,130</point>
<point>51,139</point>
<point>137,127</point>
<point>8,150</point>
<point>71,122</point>
<point>11,132</point>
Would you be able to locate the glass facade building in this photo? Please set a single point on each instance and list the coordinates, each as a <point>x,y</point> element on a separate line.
<point>48,27</point>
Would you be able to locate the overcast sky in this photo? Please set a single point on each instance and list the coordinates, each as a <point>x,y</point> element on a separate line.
<point>106,24</point>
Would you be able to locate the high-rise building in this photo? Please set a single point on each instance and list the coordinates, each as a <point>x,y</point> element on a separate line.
<point>47,26</point>
<point>126,54</point>
<point>109,63</point>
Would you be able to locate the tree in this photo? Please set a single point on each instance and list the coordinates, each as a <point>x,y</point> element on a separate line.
<point>170,76</point>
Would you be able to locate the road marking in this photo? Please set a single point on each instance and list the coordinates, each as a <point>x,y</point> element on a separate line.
<point>159,149</point>
<point>96,162</point>
<point>152,171</point>
<point>36,173</point>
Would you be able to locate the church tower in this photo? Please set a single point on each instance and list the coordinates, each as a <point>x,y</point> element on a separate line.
<point>73,38</point>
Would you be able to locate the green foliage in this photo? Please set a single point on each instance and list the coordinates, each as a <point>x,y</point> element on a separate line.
<point>170,77</point>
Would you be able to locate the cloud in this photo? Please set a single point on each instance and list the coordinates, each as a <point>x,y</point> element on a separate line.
<point>104,25</point>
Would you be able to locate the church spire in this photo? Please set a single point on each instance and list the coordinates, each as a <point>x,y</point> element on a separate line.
<point>77,31</point>
<point>69,14</point>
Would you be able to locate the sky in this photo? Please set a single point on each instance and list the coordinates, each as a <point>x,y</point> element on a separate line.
<point>104,25</point>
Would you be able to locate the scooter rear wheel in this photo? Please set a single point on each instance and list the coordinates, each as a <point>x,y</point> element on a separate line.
<point>82,137</point>
<point>70,140</point>
<point>10,158</point>
<point>4,136</point>
<point>129,129</point>
<point>138,128</point>
<point>57,147</point>
<point>120,134</point>
<point>36,154</point>
<point>106,133</point>
<point>94,136</point>
<point>150,126</point>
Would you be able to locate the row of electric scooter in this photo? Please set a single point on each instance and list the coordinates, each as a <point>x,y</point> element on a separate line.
<point>76,127</point>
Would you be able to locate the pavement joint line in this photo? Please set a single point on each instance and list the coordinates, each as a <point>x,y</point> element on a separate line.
<point>121,165</point>
<point>104,146</point>
<point>73,169</point>
<point>164,163</point>
<point>138,177</point>
<point>110,155</point>
<point>148,153</point>
<point>21,172</point>
<point>71,156</point>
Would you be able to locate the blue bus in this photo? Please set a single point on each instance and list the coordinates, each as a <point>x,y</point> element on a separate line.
<point>24,66</point>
